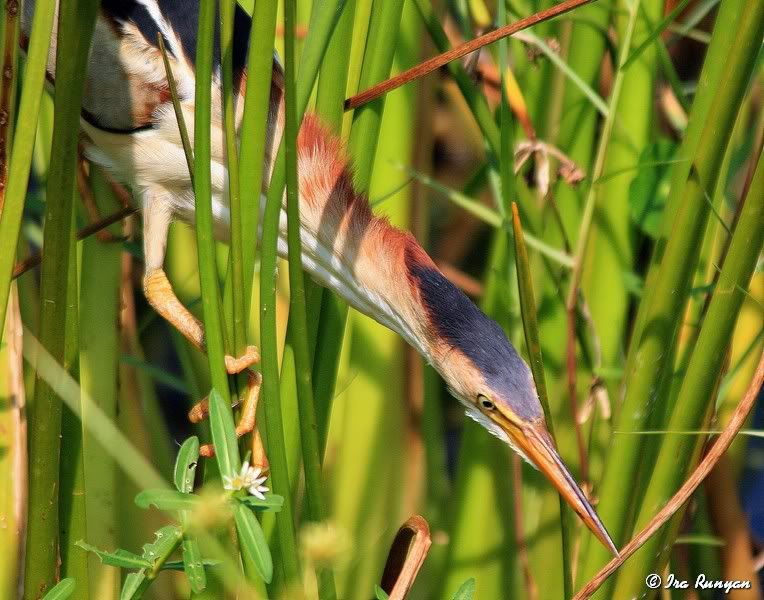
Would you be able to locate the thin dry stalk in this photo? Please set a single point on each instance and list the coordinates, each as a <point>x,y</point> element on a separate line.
<point>17,432</point>
<point>730,523</point>
<point>531,588</point>
<point>434,63</point>
<point>716,451</point>
<point>34,260</point>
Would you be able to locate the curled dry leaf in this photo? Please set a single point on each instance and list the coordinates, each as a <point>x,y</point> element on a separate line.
<point>407,554</point>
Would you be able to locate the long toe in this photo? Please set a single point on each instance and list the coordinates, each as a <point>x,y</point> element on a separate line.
<point>236,364</point>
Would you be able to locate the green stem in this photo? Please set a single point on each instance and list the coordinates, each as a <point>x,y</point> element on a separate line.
<point>235,256</point>
<point>330,326</point>
<point>73,492</point>
<point>377,62</point>
<point>23,145</point>
<point>254,133</point>
<point>298,322</point>
<point>77,19</point>
<point>313,52</point>
<point>213,327</point>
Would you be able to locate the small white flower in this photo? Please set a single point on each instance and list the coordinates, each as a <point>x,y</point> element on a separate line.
<point>248,477</point>
<point>256,487</point>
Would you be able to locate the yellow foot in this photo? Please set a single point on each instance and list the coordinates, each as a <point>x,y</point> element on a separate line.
<point>236,364</point>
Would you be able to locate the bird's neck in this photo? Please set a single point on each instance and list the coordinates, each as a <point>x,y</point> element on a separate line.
<point>348,249</point>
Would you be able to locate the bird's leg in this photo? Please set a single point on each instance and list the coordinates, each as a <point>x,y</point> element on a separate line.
<point>158,290</point>
<point>246,421</point>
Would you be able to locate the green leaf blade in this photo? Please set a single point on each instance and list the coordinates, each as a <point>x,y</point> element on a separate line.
<point>62,590</point>
<point>119,558</point>
<point>185,465</point>
<point>223,435</point>
<point>252,542</point>
<point>166,500</point>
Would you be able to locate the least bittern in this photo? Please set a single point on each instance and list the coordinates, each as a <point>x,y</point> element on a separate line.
<point>131,130</point>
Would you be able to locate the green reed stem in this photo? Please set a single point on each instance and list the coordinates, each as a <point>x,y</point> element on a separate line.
<point>599,161</point>
<point>72,494</point>
<point>213,326</point>
<point>99,346</point>
<point>76,19</point>
<point>12,207</point>
<point>254,133</point>
<point>377,62</point>
<point>697,393</point>
<point>536,360</point>
<point>330,98</point>
<point>298,322</point>
<point>236,254</point>
<point>313,52</point>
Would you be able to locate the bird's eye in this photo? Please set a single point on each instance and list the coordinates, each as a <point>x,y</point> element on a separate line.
<point>486,403</point>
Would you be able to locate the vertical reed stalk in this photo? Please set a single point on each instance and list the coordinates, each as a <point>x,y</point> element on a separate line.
<point>298,323</point>
<point>213,326</point>
<point>73,494</point>
<point>330,327</point>
<point>98,369</point>
<point>76,23</point>
<point>236,254</point>
<point>377,61</point>
<point>23,145</point>
<point>254,134</point>
<point>315,48</point>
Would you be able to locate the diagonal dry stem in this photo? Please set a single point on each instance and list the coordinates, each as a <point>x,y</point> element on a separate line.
<point>431,64</point>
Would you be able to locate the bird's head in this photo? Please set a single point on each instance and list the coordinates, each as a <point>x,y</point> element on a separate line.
<point>484,371</point>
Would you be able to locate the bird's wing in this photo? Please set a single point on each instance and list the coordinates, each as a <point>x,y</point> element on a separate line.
<point>126,80</point>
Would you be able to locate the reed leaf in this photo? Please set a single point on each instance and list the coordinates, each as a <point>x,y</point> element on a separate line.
<point>223,435</point>
<point>62,590</point>
<point>254,548</point>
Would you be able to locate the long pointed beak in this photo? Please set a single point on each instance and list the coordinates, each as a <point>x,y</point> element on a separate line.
<point>534,440</point>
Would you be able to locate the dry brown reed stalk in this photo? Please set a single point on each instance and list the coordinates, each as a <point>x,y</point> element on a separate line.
<point>430,65</point>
